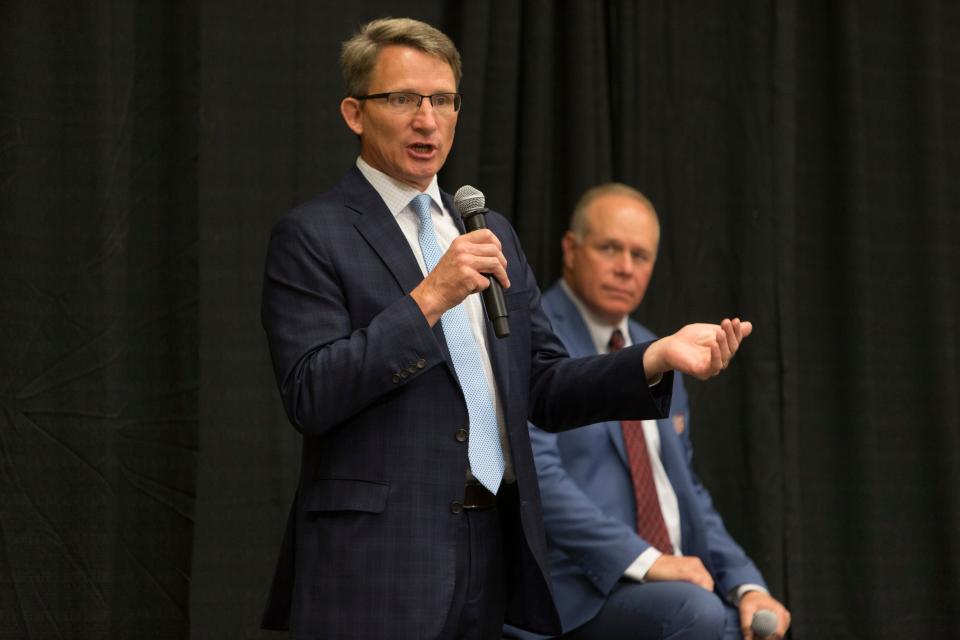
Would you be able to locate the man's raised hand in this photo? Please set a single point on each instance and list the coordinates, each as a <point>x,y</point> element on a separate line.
<point>701,350</point>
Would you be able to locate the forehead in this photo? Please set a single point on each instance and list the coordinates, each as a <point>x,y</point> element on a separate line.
<point>409,69</point>
<point>623,217</point>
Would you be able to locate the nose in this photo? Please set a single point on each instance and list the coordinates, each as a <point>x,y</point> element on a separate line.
<point>624,263</point>
<point>425,117</point>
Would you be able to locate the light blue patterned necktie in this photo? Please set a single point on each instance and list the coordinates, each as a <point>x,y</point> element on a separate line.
<point>485,453</point>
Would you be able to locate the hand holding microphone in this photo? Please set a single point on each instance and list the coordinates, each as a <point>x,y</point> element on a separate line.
<point>473,262</point>
<point>764,623</point>
<point>762,616</point>
<point>470,203</point>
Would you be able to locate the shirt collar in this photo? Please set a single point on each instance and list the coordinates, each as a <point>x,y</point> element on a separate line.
<point>396,194</point>
<point>600,331</point>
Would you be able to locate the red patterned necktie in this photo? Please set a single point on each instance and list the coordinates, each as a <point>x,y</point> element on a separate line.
<point>650,524</point>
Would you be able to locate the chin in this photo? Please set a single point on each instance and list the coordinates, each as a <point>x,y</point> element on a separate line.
<point>618,311</point>
<point>421,174</point>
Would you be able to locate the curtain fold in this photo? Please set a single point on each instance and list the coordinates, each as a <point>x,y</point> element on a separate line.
<point>98,435</point>
<point>801,157</point>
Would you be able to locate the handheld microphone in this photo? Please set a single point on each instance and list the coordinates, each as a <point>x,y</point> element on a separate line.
<point>470,203</point>
<point>764,623</point>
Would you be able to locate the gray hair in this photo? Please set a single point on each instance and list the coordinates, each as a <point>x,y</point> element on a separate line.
<point>578,220</point>
<point>358,55</point>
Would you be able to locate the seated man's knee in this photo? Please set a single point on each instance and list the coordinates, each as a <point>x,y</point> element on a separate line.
<point>700,614</point>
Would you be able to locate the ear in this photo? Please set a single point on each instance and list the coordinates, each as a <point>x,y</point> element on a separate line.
<point>568,244</point>
<point>350,110</point>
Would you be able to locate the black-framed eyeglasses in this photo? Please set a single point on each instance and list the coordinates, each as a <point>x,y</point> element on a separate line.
<point>407,102</point>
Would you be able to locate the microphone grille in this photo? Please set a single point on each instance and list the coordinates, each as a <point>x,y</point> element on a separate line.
<point>764,623</point>
<point>469,198</point>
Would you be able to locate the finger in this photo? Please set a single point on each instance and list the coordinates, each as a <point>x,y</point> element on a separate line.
<point>479,283</point>
<point>716,358</point>
<point>784,623</point>
<point>500,274</point>
<point>734,330</point>
<point>746,328</point>
<point>485,264</point>
<point>496,267</point>
<point>466,246</point>
<point>482,236</point>
<point>733,342</point>
<point>723,339</point>
<point>733,335</point>
<point>483,250</point>
<point>702,577</point>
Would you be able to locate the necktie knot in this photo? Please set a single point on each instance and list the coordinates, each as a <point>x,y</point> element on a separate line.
<point>616,341</point>
<point>421,206</point>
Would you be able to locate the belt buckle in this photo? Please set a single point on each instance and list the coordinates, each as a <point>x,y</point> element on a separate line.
<point>477,496</point>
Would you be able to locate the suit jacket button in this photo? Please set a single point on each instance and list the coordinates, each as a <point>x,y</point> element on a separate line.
<point>456,507</point>
<point>404,374</point>
<point>411,369</point>
<point>461,435</point>
<point>421,363</point>
<point>396,378</point>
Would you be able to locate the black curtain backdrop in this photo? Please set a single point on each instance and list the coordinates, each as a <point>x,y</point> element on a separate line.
<point>803,159</point>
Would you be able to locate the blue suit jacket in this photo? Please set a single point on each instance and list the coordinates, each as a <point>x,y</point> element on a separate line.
<point>588,504</point>
<point>369,550</point>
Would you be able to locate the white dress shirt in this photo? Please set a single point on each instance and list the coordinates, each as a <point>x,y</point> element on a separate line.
<point>397,196</point>
<point>600,332</point>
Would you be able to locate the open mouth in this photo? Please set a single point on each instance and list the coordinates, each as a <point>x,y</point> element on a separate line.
<point>422,148</point>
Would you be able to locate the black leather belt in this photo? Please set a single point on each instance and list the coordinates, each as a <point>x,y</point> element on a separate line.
<point>477,496</point>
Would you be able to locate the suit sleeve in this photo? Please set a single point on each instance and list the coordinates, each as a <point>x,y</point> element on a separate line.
<point>730,564</point>
<point>602,546</point>
<point>569,392</point>
<point>328,365</point>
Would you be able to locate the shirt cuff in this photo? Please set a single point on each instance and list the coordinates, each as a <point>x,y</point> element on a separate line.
<point>736,594</point>
<point>639,567</point>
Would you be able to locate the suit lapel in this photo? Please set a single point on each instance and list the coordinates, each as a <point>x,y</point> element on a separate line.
<point>380,229</point>
<point>569,325</point>
<point>454,212</point>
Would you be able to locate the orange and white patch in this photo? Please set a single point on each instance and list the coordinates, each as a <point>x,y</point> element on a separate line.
<point>678,423</point>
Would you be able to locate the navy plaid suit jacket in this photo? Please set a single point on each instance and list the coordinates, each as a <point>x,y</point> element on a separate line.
<point>369,546</point>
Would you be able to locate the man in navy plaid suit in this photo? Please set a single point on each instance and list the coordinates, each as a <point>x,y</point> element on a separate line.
<point>392,534</point>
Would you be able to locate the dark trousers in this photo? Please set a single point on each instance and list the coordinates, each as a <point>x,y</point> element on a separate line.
<point>477,609</point>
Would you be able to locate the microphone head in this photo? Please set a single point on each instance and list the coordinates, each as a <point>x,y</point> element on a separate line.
<point>468,199</point>
<point>764,623</point>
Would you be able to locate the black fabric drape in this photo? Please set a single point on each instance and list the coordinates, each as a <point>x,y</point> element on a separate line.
<point>98,436</point>
<point>876,253</point>
<point>803,163</point>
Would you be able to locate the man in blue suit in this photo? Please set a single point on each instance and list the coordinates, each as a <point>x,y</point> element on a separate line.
<point>417,513</point>
<point>667,569</point>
